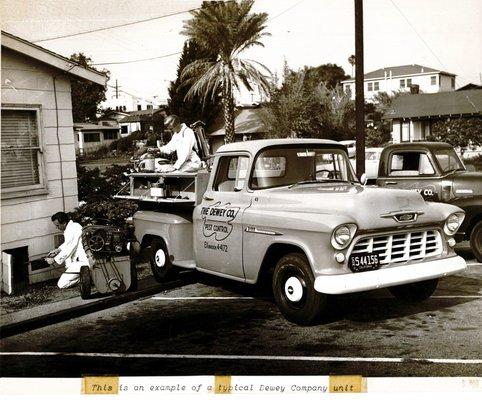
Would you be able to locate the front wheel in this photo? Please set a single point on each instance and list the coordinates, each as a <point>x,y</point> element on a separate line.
<point>414,292</point>
<point>476,241</point>
<point>293,289</point>
<point>161,265</point>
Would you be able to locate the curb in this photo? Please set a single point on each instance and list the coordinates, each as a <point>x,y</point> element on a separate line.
<point>40,321</point>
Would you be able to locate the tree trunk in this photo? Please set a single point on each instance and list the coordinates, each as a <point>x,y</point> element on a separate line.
<point>229,116</point>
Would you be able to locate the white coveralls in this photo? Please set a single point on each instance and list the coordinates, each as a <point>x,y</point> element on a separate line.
<point>73,254</point>
<point>185,145</point>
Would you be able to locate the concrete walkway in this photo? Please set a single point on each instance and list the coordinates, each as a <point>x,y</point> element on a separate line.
<point>51,313</point>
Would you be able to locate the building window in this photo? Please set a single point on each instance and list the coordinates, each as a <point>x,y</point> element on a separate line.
<point>376,86</point>
<point>402,83</point>
<point>124,129</point>
<point>409,82</point>
<point>91,137</point>
<point>21,152</point>
<point>405,131</point>
<point>149,107</point>
<point>110,135</point>
<point>453,82</point>
<point>139,107</point>
<point>370,86</point>
<point>347,90</point>
<point>433,80</point>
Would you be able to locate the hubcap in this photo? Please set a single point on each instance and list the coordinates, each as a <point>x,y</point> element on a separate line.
<point>293,289</point>
<point>160,258</point>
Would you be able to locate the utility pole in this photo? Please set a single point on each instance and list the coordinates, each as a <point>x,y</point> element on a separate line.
<point>359,90</point>
<point>116,90</point>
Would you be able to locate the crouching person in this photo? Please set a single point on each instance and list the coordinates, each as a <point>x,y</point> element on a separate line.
<point>71,252</point>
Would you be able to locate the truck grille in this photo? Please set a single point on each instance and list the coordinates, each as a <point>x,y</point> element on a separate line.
<point>401,247</point>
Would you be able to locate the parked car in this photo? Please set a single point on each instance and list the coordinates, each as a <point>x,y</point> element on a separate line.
<point>434,170</point>
<point>372,159</point>
<point>291,211</point>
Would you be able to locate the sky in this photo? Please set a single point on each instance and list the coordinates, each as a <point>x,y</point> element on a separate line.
<point>441,34</point>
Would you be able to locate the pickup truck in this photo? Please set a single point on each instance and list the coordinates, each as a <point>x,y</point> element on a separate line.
<point>292,211</point>
<point>434,170</point>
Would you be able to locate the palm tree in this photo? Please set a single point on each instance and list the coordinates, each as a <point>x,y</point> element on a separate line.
<point>352,60</point>
<point>226,29</point>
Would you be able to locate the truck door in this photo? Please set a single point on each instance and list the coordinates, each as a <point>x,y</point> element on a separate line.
<point>218,221</point>
<point>412,170</point>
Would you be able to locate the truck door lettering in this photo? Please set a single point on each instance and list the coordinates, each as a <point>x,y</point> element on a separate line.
<point>217,220</point>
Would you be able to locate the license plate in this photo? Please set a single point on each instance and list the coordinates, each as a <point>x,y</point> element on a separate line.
<point>364,262</point>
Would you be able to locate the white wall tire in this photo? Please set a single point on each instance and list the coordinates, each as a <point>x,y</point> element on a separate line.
<point>293,289</point>
<point>160,262</point>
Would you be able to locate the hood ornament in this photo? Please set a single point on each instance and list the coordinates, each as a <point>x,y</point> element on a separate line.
<point>403,216</point>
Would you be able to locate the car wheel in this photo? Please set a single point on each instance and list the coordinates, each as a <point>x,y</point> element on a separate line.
<point>414,292</point>
<point>161,265</point>
<point>476,241</point>
<point>293,289</point>
<point>85,284</point>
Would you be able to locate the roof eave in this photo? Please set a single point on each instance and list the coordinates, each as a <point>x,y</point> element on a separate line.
<point>31,50</point>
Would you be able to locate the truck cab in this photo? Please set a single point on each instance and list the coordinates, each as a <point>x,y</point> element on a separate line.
<point>292,211</point>
<point>434,170</point>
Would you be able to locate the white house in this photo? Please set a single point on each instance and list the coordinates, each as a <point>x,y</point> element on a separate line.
<point>119,100</point>
<point>403,78</point>
<point>412,115</point>
<point>91,137</point>
<point>38,171</point>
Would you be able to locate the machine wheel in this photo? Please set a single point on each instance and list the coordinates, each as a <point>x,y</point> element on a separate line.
<point>414,292</point>
<point>476,241</point>
<point>293,289</point>
<point>85,284</point>
<point>161,265</point>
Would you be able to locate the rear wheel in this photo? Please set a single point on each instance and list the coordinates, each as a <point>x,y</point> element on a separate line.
<point>85,284</point>
<point>161,265</point>
<point>293,289</point>
<point>414,292</point>
<point>476,241</point>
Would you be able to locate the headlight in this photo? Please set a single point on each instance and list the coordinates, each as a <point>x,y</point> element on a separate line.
<point>452,223</point>
<point>342,236</point>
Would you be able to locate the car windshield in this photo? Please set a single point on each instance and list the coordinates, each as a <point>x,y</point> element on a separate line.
<point>448,160</point>
<point>286,166</point>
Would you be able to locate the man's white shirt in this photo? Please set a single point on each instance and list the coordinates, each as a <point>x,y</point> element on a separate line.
<point>184,144</point>
<point>71,251</point>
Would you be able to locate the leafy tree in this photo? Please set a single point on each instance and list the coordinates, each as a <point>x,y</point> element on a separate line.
<point>459,132</point>
<point>307,107</point>
<point>329,74</point>
<point>192,109</point>
<point>225,29</point>
<point>86,95</point>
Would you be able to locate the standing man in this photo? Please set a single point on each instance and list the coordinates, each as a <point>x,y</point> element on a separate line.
<point>71,252</point>
<point>183,142</point>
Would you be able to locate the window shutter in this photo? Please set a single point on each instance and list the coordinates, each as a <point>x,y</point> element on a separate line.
<point>20,148</point>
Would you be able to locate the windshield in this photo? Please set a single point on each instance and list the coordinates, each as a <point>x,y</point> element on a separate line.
<point>448,160</point>
<point>285,166</point>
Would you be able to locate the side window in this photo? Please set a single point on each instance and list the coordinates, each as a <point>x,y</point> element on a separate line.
<point>231,173</point>
<point>410,164</point>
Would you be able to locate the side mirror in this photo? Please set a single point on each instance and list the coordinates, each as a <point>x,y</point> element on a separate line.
<point>363,179</point>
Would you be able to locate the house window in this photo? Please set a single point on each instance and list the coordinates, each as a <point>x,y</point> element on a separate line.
<point>409,82</point>
<point>376,86</point>
<point>370,86</point>
<point>110,135</point>
<point>124,129</point>
<point>139,107</point>
<point>402,83</point>
<point>405,131</point>
<point>452,82</point>
<point>21,151</point>
<point>433,80</point>
<point>348,89</point>
<point>149,107</point>
<point>91,137</point>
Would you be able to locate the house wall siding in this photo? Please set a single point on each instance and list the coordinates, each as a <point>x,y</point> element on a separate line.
<point>26,217</point>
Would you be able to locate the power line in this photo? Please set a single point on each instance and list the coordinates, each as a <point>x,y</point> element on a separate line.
<point>139,60</point>
<point>285,11</point>
<point>115,26</point>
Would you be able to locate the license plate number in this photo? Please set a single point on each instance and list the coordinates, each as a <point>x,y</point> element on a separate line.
<point>364,262</point>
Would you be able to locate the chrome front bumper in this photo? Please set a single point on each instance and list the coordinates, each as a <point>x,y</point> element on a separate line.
<point>398,275</point>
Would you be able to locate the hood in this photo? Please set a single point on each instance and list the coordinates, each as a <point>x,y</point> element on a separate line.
<point>467,183</point>
<point>368,207</point>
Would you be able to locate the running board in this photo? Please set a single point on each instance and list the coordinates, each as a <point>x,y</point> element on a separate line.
<point>191,264</point>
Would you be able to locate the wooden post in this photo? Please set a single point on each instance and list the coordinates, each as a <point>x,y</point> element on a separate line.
<point>359,90</point>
